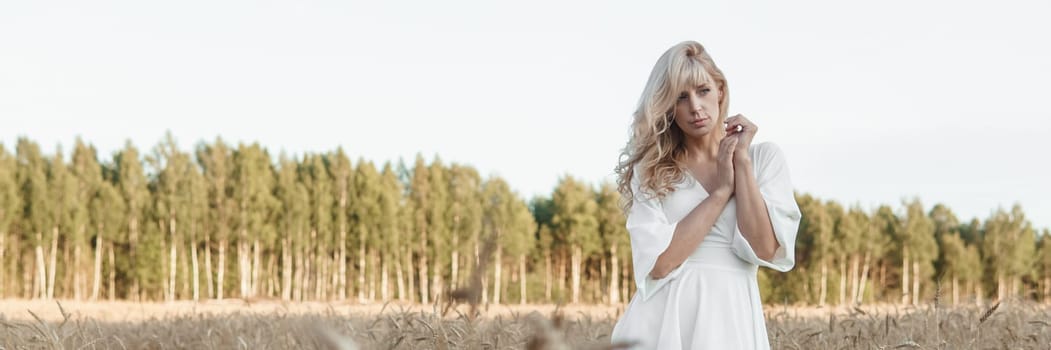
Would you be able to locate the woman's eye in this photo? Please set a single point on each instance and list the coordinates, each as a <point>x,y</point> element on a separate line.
<point>682,97</point>
<point>703,91</point>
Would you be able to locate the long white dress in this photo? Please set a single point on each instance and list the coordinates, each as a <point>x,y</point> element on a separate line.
<point>712,300</point>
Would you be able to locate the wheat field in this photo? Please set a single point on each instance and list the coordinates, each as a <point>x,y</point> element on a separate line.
<point>275,325</point>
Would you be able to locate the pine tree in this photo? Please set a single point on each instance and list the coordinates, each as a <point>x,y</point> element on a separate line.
<point>818,228</point>
<point>342,172</point>
<point>10,210</point>
<point>614,233</point>
<point>108,215</point>
<point>391,239</point>
<point>318,183</point>
<point>465,219</point>
<point>1043,264</point>
<point>88,178</point>
<point>919,240</point>
<point>547,244</point>
<point>438,223</point>
<point>32,180</point>
<point>421,202</point>
<point>62,203</point>
<point>574,220</point>
<point>366,218</point>
<point>216,163</point>
<point>292,220</point>
<point>255,204</point>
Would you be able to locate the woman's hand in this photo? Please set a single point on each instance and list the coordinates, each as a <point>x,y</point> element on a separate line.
<point>725,167</point>
<point>748,131</point>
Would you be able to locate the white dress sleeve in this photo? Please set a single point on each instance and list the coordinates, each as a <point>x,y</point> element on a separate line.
<point>775,186</point>
<point>651,233</point>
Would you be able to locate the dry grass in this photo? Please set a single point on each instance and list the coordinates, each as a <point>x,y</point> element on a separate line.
<point>272,325</point>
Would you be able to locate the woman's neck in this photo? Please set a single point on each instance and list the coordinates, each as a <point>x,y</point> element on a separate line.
<point>703,149</point>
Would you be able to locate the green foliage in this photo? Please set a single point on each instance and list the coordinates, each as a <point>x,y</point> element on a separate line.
<point>219,198</point>
<point>574,220</point>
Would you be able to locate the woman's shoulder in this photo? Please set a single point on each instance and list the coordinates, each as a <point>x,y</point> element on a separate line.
<point>765,152</point>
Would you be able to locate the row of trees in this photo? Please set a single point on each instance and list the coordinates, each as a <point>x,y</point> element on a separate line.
<point>224,221</point>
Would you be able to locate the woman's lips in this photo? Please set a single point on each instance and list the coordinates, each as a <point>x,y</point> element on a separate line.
<point>700,122</point>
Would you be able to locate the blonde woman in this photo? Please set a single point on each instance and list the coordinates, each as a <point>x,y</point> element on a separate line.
<point>705,208</point>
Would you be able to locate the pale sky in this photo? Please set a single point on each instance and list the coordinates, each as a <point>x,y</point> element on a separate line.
<point>872,102</point>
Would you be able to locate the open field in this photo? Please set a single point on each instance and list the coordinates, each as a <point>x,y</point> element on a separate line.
<point>274,325</point>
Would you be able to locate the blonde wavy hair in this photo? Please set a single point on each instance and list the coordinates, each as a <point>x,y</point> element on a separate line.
<point>656,142</point>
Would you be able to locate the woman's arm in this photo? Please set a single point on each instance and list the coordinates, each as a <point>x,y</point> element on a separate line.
<point>753,219</point>
<point>690,232</point>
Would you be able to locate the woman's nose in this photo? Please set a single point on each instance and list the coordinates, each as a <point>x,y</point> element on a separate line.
<point>695,104</point>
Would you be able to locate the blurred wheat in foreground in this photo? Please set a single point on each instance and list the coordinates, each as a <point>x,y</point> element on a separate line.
<point>44,325</point>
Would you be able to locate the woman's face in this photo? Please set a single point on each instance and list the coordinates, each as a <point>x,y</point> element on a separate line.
<point>697,109</point>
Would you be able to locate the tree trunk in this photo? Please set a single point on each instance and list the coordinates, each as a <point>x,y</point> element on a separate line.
<point>498,266</point>
<point>436,286</point>
<point>286,270</point>
<point>596,289</point>
<point>164,262</point>
<point>361,266</point>
<point>455,260</point>
<point>3,264</point>
<point>196,267</point>
<point>186,289</point>
<point>823,291</point>
<point>955,290</point>
<point>864,278</point>
<point>915,282</point>
<point>112,273</point>
<point>979,294</point>
<point>40,282</point>
<point>485,289</point>
<point>133,240</point>
<point>424,286</point>
<point>843,280</point>
<point>385,294</point>
<point>53,264</point>
<point>257,266</point>
<point>243,269</point>
<point>96,280</point>
<point>905,275</point>
<point>547,274</point>
<point>1000,286</point>
<point>341,285</point>
<point>220,279</point>
<point>625,282</point>
<point>882,277</point>
<point>1047,287</point>
<point>522,290</point>
<point>335,275</point>
<point>172,261</point>
<point>855,279</point>
<point>298,274</point>
<point>399,276</point>
<point>405,267</point>
<point>614,278</point>
<point>1016,284</point>
<point>321,273</point>
<point>209,286</point>
<point>373,261</point>
<point>272,274</point>
<point>78,292</point>
<point>67,273</point>
<point>562,276</point>
<point>576,265</point>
